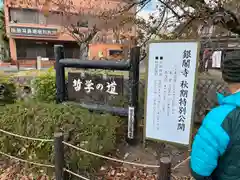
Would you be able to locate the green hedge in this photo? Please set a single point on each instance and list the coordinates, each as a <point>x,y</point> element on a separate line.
<point>44,86</point>
<point>94,132</point>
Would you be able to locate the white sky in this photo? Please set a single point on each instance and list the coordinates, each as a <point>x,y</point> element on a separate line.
<point>151,7</point>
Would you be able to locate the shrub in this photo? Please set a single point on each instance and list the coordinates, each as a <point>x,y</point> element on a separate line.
<point>7,60</point>
<point>94,132</point>
<point>7,90</point>
<point>44,86</point>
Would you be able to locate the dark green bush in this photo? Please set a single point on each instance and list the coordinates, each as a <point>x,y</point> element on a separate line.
<point>7,90</point>
<point>94,132</point>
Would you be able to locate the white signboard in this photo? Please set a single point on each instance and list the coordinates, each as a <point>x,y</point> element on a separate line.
<point>130,122</point>
<point>170,91</point>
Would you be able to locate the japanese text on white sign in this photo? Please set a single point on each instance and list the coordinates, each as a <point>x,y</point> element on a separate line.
<point>170,91</point>
<point>30,31</point>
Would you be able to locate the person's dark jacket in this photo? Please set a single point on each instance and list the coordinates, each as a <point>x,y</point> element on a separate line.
<point>216,147</point>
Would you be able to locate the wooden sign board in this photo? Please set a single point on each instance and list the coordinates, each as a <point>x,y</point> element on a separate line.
<point>93,88</point>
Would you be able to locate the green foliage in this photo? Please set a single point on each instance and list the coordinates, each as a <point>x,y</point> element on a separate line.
<point>3,34</point>
<point>94,132</point>
<point>7,90</point>
<point>7,59</point>
<point>44,86</point>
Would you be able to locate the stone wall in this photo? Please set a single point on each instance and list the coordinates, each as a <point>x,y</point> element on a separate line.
<point>206,95</point>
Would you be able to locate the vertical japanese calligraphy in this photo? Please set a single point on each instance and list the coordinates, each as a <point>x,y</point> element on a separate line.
<point>130,122</point>
<point>157,91</point>
<point>174,81</point>
<point>171,71</point>
<point>184,90</point>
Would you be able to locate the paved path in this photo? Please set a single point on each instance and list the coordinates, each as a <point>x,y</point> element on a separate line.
<point>10,69</point>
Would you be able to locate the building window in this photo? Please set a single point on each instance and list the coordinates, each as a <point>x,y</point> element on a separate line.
<point>55,18</point>
<point>82,24</point>
<point>34,17</point>
<point>71,51</point>
<point>30,49</point>
<point>26,16</point>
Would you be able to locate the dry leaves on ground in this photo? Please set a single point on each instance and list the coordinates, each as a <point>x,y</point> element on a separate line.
<point>121,173</point>
<point>14,172</point>
<point>106,173</point>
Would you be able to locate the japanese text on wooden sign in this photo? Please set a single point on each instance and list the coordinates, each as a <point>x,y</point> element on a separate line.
<point>93,87</point>
<point>170,91</point>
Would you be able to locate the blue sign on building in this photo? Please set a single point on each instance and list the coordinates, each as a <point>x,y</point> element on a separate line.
<point>31,31</point>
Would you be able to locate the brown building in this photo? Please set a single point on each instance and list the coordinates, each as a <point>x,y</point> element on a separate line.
<point>32,33</point>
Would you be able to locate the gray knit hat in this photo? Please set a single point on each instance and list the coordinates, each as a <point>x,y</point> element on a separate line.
<point>231,66</point>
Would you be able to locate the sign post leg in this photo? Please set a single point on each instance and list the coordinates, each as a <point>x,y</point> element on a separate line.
<point>165,168</point>
<point>38,63</point>
<point>164,172</point>
<point>60,74</point>
<point>133,96</point>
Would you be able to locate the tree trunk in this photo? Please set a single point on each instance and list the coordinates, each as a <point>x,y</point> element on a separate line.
<point>83,51</point>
